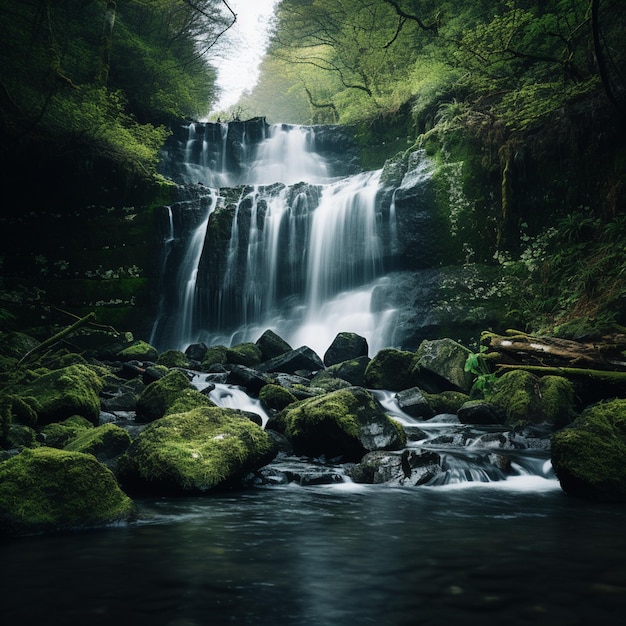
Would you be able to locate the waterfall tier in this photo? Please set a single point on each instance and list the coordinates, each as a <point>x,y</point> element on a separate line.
<point>286,234</point>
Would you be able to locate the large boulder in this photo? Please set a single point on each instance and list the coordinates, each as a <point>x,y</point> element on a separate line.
<point>105,442</point>
<point>159,395</point>
<point>345,347</point>
<point>46,490</point>
<point>300,359</point>
<point>59,394</point>
<point>390,369</point>
<point>409,467</point>
<point>246,354</point>
<point>588,456</point>
<point>528,399</point>
<point>440,366</point>
<point>271,345</point>
<point>138,351</point>
<point>195,452</point>
<point>344,424</point>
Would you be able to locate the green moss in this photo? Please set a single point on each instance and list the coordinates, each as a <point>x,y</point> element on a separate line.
<point>72,390</point>
<point>139,351</point>
<point>390,369</point>
<point>158,396</point>
<point>196,451</point>
<point>588,456</point>
<point>187,400</point>
<point>276,397</point>
<point>214,355</point>
<point>525,398</point>
<point>46,490</point>
<point>248,354</point>
<point>104,442</point>
<point>20,436</point>
<point>59,434</point>
<point>446,402</point>
<point>173,358</point>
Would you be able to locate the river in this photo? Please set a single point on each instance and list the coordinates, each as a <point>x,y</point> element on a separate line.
<point>518,551</point>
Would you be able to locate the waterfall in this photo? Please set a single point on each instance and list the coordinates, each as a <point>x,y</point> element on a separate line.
<point>295,240</point>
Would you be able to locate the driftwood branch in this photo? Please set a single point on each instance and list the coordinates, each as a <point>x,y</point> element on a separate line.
<point>57,337</point>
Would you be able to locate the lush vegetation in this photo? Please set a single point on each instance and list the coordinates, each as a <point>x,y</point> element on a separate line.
<point>101,79</point>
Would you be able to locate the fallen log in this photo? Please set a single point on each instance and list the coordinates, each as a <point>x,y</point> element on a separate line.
<point>519,348</point>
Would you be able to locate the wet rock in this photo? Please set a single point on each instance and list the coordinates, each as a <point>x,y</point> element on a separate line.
<point>390,369</point>
<point>250,379</point>
<point>345,347</point>
<point>440,366</point>
<point>158,396</point>
<point>480,412</point>
<point>588,456</point>
<point>196,352</point>
<point>345,423</point>
<point>47,490</point>
<point>271,345</point>
<point>413,403</point>
<point>195,452</point>
<point>302,358</point>
<point>409,467</point>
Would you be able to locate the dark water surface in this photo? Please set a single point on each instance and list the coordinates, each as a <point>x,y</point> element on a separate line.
<point>517,552</point>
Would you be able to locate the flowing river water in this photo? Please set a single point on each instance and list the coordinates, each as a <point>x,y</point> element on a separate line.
<point>516,552</point>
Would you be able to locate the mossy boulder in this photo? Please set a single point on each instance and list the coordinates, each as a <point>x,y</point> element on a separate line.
<point>61,393</point>
<point>173,358</point>
<point>105,442</point>
<point>345,424</point>
<point>187,400</point>
<point>213,356</point>
<point>390,369</point>
<point>160,395</point>
<point>588,456</point>
<point>247,354</point>
<point>275,397</point>
<point>138,351</point>
<point>195,452</point>
<point>46,490</point>
<point>59,434</point>
<point>528,399</point>
<point>446,401</point>
<point>440,366</point>
<point>352,370</point>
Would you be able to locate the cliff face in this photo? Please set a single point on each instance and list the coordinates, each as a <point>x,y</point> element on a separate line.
<point>80,237</point>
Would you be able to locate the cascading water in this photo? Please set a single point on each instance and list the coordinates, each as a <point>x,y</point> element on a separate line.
<point>292,242</point>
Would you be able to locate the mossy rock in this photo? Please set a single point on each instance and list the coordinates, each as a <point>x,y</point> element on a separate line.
<point>247,354</point>
<point>59,434</point>
<point>187,400</point>
<point>173,358</point>
<point>19,410</point>
<point>21,436</point>
<point>528,399</point>
<point>61,393</point>
<point>47,490</point>
<point>346,424</point>
<point>276,397</point>
<point>446,401</point>
<point>390,369</point>
<point>104,442</point>
<point>160,395</point>
<point>588,456</point>
<point>195,452</point>
<point>345,347</point>
<point>353,370</point>
<point>213,356</point>
<point>15,345</point>
<point>138,351</point>
<point>440,366</point>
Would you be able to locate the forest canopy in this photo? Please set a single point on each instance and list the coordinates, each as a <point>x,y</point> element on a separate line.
<point>352,60</point>
<point>106,77</point>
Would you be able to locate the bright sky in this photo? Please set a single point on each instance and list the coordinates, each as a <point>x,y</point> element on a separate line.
<point>242,48</point>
